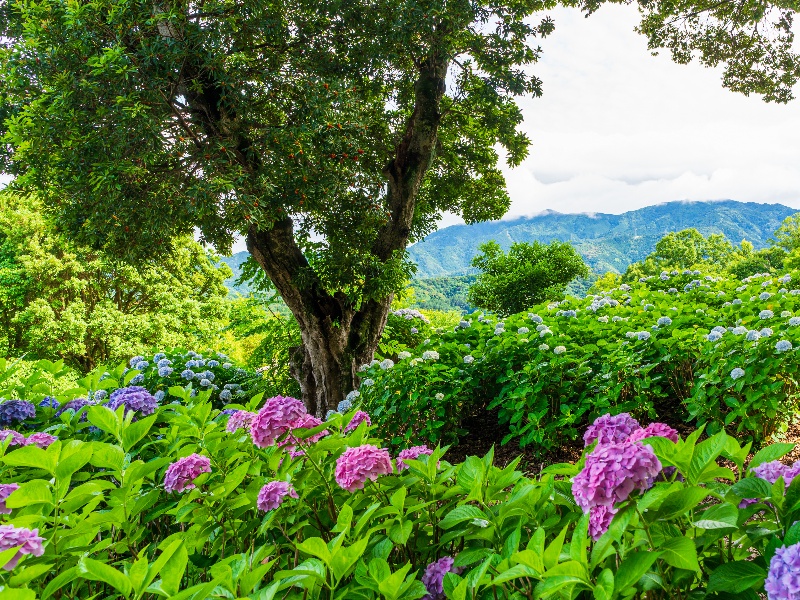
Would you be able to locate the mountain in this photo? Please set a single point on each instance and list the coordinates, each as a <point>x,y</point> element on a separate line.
<point>235,262</point>
<point>607,242</point>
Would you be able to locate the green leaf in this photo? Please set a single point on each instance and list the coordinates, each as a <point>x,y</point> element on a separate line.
<point>680,552</point>
<point>36,491</point>
<point>770,453</point>
<point>136,431</point>
<point>735,576</point>
<point>172,570</point>
<point>97,571</point>
<point>34,457</point>
<point>680,502</point>
<point>719,516</point>
<point>631,570</point>
<point>460,514</point>
<point>752,487</point>
<point>316,547</point>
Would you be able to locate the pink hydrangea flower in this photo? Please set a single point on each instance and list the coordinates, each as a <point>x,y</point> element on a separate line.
<point>238,420</point>
<point>600,518</point>
<point>356,465</point>
<point>17,439</point>
<point>304,422</point>
<point>612,471</point>
<point>41,439</point>
<point>272,495</point>
<point>607,429</point>
<point>654,430</point>
<point>357,419</point>
<point>412,453</point>
<point>28,541</point>
<point>181,474</point>
<point>274,419</point>
<point>5,492</point>
<point>433,578</point>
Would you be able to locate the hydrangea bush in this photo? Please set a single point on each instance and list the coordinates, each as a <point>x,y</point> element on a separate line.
<point>715,352</point>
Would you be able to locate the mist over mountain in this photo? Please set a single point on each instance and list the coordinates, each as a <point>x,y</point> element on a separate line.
<point>607,242</point>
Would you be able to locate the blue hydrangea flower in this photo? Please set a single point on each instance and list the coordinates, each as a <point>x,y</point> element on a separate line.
<point>159,395</point>
<point>783,346</point>
<point>643,335</point>
<point>225,395</point>
<point>213,363</point>
<point>135,360</point>
<point>14,411</point>
<point>99,395</point>
<point>714,336</point>
<point>329,414</point>
<point>191,364</point>
<point>74,406</point>
<point>368,382</point>
<point>137,379</point>
<point>664,321</point>
<point>753,336</point>
<point>159,356</point>
<point>200,363</point>
<point>49,402</point>
<point>766,314</point>
<point>737,301</point>
<point>141,365</point>
<point>737,373</point>
<point>209,375</point>
<point>205,382</point>
<point>794,321</point>
<point>188,374</point>
<point>766,332</point>
<point>739,330</point>
<point>165,372</point>
<point>764,296</point>
<point>164,362</point>
<point>226,365</point>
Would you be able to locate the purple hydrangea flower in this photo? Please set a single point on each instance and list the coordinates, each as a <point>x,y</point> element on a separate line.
<point>608,428</point>
<point>775,469</point>
<point>133,398</point>
<point>41,439</point>
<point>272,495</point>
<point>275,418</point>
<point>412,453</point>
<point>600,518</point>
<point>5,492</point>
<point>783,578</point>
<point>356,465</point>
<point>433,578</point>
<point>181,474</point>
<point>17,439</point>
<point>14,411</point>
<point>654,430</point>
<point>357,419</point>
<point>612,471</point>
<point>239,419</point>
<point>27,539</point>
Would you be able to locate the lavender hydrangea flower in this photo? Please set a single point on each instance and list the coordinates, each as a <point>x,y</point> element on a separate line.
<point>433,578</point>
<point>783,578</point>
<point>600,518</point>
<point>181,474</point>
<point>40,439</point>
<point>275,418</point>
<point>412,453</point>
<point>28,541</point>
<point>74,406</point>
<point>356,465</point>
<point>654,430</point>
<point>17,439</point>
<point>5,492</point>
<point>273,494</point>
<point>783,346</point>
<point>133,398</point>
<point>612,471</point>
<point>608,428</point>
<point>358,418</point>
<point>14,411</point>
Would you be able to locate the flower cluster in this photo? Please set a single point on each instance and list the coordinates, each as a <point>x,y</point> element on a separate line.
<point>13,411</point>
<point>412,453</point>
<point>433,578</point>
<point>5,491</point>
<point>27,540</point>
<point>783,578</point>
<point>181,474</point>
<point>356,465</point>
<point>239,419</point>
<point>276,417</point>
<point>358,418</point>
<point>74,406</point>
<point>654,430</point>
<point>135,399</point>
<point>271,496</point>
<point>609,428</point>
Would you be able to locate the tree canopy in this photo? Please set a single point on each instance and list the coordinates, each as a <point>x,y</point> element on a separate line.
<point>59,299</point>
<point>529,274</point>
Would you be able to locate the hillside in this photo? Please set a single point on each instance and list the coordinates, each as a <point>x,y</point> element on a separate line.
<point>607,242</point>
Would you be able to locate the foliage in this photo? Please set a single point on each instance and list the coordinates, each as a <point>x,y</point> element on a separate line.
<point>644,349</point>
<point>443,293</point>
<point>529,274</point>
<point>110,529</point>
<point>62,300</point>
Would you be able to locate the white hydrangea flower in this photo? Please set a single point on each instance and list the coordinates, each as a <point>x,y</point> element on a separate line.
<point>794,292</point>
<point>415,361</point>
<point>544,347</point>
<point>737,373</point>
<point>469,359</point>
<point>664,321</point>
<point>737,301</point>
<point>616,318</point>
<point>630,334</point>
<point>559,350</point>
<point>766,314</point>
<point>386,364</point>
<point>403,355</point>
<point>430,355</point>
<point>439,396</point>
<point>785,279</point>
<point>783,291</point>
<point>766,283</point>
<point>764,296</point>
<point>766,332</point>
<point>368,382</point>
<point>643,335</point>
<point>739,330</point>
<point>545,332</point>
<point>794,321</point>
<point>783,346</point>
<point>523,330</point>
<point>535,318</point>
<point>541,327</point>
<point>603,319</point>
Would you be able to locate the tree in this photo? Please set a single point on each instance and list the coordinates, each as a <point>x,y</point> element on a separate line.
<point>529,274</point>
<point>331,134</point>
<point>62,300</point>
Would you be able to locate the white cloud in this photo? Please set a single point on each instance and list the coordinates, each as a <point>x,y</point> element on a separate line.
<point>618,129</point>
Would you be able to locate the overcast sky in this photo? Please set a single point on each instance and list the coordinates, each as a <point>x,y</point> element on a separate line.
<point>617,128</point>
